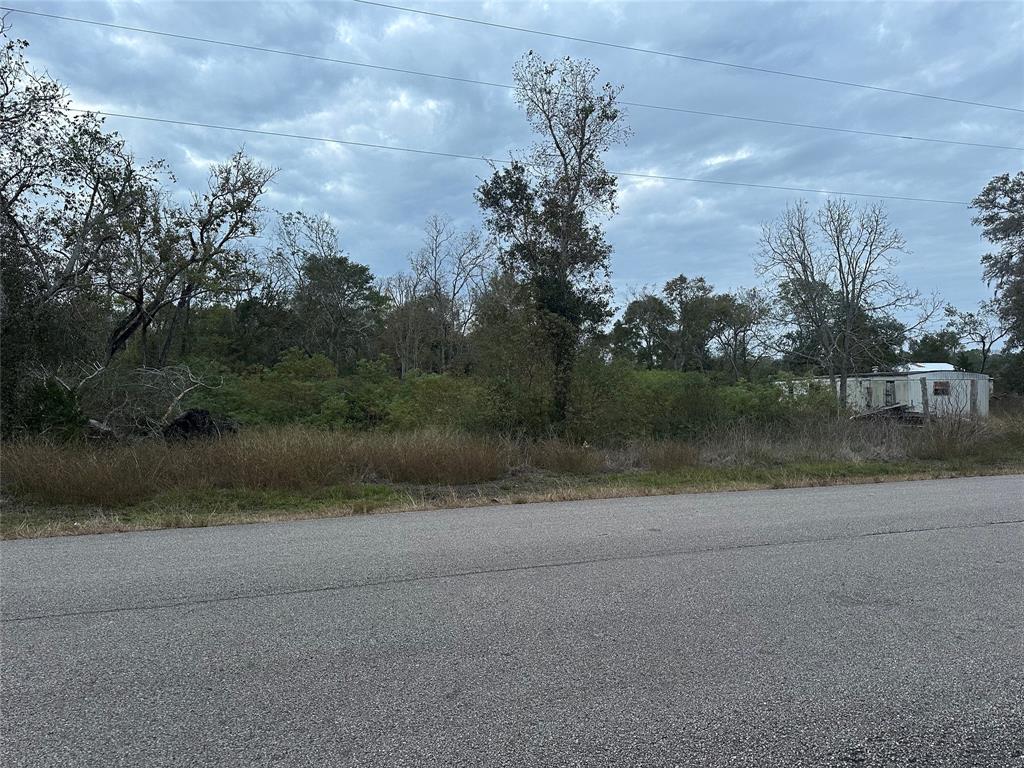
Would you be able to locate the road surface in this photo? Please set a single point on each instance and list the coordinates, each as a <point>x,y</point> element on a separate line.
<point>859,625</point>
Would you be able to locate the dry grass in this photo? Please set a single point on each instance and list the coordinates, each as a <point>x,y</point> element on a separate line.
<point>308,470</point>
<point>564,458</point>
<point>290,458</point>
<point>953,438</point>
<point>820,440</point>
<point>656,455</point>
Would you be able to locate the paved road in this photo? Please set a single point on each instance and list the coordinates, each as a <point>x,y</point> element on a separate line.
<point>867,625</point>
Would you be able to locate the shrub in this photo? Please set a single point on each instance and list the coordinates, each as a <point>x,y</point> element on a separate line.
<point>600,407</point>
<point>444,402</point>
<point>293,390</point>
<point>49,408</point>
<point>670,404</point>
<point>369,393</point>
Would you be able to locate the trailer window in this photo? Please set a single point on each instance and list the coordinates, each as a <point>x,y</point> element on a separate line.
<point>940,389</point>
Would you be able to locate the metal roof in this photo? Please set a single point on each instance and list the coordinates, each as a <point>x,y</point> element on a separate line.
<point>925,367</point>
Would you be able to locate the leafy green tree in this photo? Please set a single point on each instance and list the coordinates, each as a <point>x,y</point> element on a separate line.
<point>644,332</point>
<point>1007,368</point>
<point>311,295</point>
<point>67,187</point>
<point>542,209</point>
<point>697,319</point>
<point>172,256</point>
<point>1000,208</point>
<point>510,352</point>
<point>741,331</point>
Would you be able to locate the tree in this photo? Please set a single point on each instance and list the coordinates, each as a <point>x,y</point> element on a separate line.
<point>983,328</point>
<point>542,209</point>
<point>172,256</point>
<point>510,350</point>
<point>696,311</point>
<point>835,272</point>
<point>66,185</point>
<point>334,300</point>
<point>407,322</point>
<point>936,347</point>
<point>741,330</point>
<point>451,268</point>
<point>644,332</point>
<point>1000,209</point>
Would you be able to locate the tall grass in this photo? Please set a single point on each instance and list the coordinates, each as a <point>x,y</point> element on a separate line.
<point>286,458</point>
<point>297,458</point>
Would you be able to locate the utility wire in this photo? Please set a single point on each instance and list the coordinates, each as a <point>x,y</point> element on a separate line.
<point>745,67</point>
<point>456,155</point>
<point>472,81</point>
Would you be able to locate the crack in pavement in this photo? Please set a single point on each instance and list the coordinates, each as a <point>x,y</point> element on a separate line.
<point>679,552</point>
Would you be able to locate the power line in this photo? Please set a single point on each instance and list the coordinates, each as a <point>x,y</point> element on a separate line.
<point>484,158</point>
<point>472,81</point>
<point>667,54</point>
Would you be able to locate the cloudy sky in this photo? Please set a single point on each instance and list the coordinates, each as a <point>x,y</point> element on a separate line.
<point>968,51</point>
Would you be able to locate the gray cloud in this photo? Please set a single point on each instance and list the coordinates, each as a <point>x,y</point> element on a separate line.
<point>379,198</point>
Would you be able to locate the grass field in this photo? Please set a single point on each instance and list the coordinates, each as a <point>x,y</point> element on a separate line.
<point>294,472</point>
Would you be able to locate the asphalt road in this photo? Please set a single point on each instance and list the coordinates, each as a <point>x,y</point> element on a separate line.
<point>862,625</point>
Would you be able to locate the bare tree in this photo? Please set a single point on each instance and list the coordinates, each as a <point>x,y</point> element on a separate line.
<point>834,268</point>
<point>452,267</point>
<point>405,327</point>
<point>802,275</point>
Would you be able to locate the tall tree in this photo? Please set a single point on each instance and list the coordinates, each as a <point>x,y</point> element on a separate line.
<point>66,185</point>
<point>696,311</point>
<point>406,331</point>
<point>543,209</point>
<point>1000,208</point>
<point>835,275</point>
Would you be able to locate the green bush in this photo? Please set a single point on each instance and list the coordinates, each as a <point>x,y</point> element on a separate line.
<point>611,403</point>
<point>445,401</point>
<point>369,393</point>
<point>601,409</point>
<point>49,408</point>
<point>671,404</point>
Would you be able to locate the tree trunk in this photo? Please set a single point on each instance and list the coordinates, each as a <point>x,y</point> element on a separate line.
<point>180,308</point>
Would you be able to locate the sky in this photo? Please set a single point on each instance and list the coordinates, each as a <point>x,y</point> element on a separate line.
<point>380,199</point>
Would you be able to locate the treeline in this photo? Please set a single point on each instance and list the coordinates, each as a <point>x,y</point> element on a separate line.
<point>127,299</point>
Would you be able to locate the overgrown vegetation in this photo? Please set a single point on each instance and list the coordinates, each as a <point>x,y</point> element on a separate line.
<point>306,471</point>
<point>498,357</point>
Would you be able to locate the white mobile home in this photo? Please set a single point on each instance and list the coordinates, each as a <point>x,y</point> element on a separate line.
<point>921,388</point>
<point>918,389</point>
